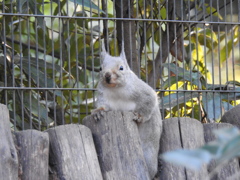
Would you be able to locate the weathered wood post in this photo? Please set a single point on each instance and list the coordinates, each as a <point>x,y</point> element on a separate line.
<point>33,152</point>
<point>118,146</point>
<point>181,133</point>
<point>72,153</point>
<point>228,169</point>
<point>8,153</point>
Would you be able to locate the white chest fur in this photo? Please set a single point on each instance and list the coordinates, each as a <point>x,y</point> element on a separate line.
<point>118,99</point>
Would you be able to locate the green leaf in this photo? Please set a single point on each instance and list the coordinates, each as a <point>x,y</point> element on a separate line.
<point>22,6</point>
<point>212,103</point>
<point>81,22</point>
<point>202,68</point>
<point>19,122</point>
<point>36,71</point>
<point>213,11</point>
<point>215,86</point>
<point>170,81</point>
<point>198,53</point>
<point>225,52</point>
<point>88,3</point>
<point>39,77</point>
<point>36,108</point>
<point>163,13</point>
<point>35,10</point>
<point>174,83</point>
<point>228,95</point>
<point>157,35</point>
<point>78,74</point>
<point>207,37</point>
<point>231,96</point>
<point>174,99</point>
<point>41,37</point>
<point>196,111</point>
<point>40,63</point>
<point>193,77</point>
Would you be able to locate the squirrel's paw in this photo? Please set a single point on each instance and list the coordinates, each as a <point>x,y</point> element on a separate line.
<point>137,117</point>
<point>98,113</point>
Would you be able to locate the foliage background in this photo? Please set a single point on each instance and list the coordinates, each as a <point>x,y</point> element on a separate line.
<point>49,58</point>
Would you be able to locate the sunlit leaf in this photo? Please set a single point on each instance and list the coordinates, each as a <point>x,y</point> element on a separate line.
<point>193,77</point>
<point>202,68</point>
<point>207,37</point>
<point>198,53</point>
<point>225,52</point>
<point>213,11</point>
<point>177,98</point>
<point>170,81</point>
<point>196,111</point>
<point>163,13</point>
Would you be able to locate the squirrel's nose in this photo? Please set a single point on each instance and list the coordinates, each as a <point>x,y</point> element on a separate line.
<point>108,77</point>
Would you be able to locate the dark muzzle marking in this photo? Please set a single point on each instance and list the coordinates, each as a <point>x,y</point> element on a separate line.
<point>108,77</point>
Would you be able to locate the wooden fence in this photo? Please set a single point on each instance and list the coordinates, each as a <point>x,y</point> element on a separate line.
<point>108,149</point>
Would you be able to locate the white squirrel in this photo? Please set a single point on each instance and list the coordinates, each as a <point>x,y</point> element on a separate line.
<point>120,89</point>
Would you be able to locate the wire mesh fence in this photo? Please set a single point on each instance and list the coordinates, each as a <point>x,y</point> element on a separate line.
<point>50,55</point>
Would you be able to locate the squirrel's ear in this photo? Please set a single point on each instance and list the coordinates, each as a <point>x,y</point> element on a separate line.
<point>122,55</point>
<point>104,52</point>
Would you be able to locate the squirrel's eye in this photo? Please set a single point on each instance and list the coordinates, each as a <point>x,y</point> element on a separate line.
<point>121,68</point>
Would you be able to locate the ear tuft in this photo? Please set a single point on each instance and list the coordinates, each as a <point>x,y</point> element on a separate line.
<point>104,52</point>
<point>103,48</point>
<point>122,55</point>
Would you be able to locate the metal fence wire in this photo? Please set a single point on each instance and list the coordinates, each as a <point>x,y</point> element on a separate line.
<point>188,50</point>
